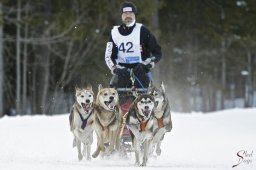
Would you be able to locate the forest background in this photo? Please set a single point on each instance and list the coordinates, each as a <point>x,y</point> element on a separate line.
<point>47,47</point>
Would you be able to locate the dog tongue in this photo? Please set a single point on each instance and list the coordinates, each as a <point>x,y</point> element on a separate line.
<point>112,103</point>
<point>85,106</point>
<point>146,112</point>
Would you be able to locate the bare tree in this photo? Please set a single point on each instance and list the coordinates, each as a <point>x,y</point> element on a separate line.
<point>249,82</point>
<point>18,58</point>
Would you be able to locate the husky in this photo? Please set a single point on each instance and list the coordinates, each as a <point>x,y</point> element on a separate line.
<point>81,121</point>
<point>108,121</point>
<point>162,116</point>
<point>140,123</point>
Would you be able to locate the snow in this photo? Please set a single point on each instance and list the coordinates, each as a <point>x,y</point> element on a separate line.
<point>197,141</point>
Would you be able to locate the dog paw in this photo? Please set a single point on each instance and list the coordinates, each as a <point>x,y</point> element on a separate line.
<point>137,164</point>
<point>95,154</point>
<point>143,164</point>
<point>80,157</point>
<point>158,152</point>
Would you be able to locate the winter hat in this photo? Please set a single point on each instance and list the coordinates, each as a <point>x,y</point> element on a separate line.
<point>128,7</point>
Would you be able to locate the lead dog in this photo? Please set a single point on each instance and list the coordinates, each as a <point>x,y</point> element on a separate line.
<point>81,121</point>
<point>140,123</point>
<point>108,120</point>
<point>162,116</point>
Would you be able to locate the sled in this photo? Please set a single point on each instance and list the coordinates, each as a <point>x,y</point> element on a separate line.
<point>126,98</point>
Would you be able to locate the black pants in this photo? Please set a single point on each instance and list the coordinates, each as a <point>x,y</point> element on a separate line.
<point>125,80</point>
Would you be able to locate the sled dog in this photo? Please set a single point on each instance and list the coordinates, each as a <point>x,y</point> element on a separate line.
<point>108,120</point>
<point>81,121</point>
<point>162,117</point>
<point>140,123</point>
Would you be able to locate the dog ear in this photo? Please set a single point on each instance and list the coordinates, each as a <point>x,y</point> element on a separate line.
<point>99,87</point>
<point>77,88</point>
<point>135,93</point>
<point>150,84</point>
<point>150,87</point>
<point>89,87</point>
<point>162,86</point>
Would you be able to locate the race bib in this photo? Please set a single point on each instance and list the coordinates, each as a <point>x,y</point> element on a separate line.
<point>131,60</point>
<point>129,48</point>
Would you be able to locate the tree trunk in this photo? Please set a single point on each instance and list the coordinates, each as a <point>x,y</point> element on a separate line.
<point>223,59</point>
<point>46,79</point>
<point>18,71</point>
<point>34,89</point>
<point>205,98</point>
<point>1,63</point>
<point>223,79</point>
<point>24,77</point>
<point>249,82</point>
<point>232,95</point>
<point>41,78</point>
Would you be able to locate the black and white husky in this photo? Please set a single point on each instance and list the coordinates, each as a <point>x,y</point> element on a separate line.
<point>140,123</point>
<point>81,121</point>
<point>162,117</point>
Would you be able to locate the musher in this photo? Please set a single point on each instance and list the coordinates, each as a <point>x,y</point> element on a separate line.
<point>131,47</point>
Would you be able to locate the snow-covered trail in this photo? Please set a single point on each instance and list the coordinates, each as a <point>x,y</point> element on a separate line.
<point>197,141</point>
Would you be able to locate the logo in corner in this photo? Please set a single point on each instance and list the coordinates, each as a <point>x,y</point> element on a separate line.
<point>244,157</point>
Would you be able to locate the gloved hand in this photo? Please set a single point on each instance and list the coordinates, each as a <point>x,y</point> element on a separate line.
<point>141,69</point>
<point>149,62</point>
<point>119,70</point>
<point>151,65</point>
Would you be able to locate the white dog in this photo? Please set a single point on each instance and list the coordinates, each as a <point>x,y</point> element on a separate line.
<point>81,121</point>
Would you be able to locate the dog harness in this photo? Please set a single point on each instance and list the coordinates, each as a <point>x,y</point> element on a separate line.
<point>143,124</point>
<point>115,117</point>
<point>160,122</point>
<point>84,121</point>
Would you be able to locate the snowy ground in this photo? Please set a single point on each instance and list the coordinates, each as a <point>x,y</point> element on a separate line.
<point>198,141</point>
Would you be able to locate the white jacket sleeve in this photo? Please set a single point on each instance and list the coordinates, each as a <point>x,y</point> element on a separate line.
<point>108,53</point>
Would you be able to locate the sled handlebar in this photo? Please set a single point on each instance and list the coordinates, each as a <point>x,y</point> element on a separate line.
<point>132,89</point>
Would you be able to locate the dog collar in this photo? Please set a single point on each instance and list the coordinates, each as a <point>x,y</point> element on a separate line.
<point>84,120</point>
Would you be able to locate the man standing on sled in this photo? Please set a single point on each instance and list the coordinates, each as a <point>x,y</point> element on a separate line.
<point>131,47</point>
